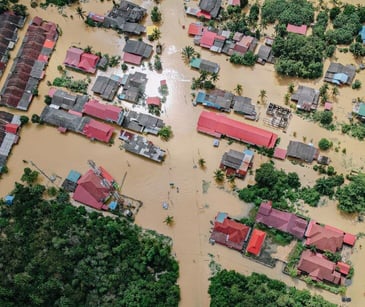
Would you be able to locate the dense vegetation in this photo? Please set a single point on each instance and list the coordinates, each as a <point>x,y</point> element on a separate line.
<point>351,197</point>
<point>54,254</point>
<point>229,288</point>
<point>12,5</point>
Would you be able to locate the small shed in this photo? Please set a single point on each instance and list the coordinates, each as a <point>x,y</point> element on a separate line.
<point>154,101</point>
<point>328,106</point>
<point>280,153</point>
<point>73,176</point>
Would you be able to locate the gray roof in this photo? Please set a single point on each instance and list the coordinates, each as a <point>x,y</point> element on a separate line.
<point>209,66</point>
<point>37,69</point>
<point>106,87</point>
<point>264,53</point>
<point>141,122</point>
<point>211,6</point>
<point>138,47</point>
<point>306,98</point>
<point>63,99</point>
<point>233,159</point>
<point>302,151</point>
<point>134,87</point>
<point>336,68</point>
<point>243,105</point>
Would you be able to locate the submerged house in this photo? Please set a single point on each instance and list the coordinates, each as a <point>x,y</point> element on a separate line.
<point>64,100</point>
<point>209,8</point>
<point>106,87</point>
<point>301,151</point>
<point>243,105</point>
<point>216,99</point>
<point>306,98</point>
<point>133,87</point>
<point>359,110</point>
<point>265,55</point>
<point>135,51</point>
<point>281,220</point>
<point>218,125</point>
<point>106,112</point>
<point>141,123</point>
<point>139,145</point>
<point>228,232</point>
<point>301,30</point>
<point>256,242</point>
<point>77,59</point>
<point>237,163</point>
<point>126,17</point>
<point>204,65</point>
<point>340,74</point>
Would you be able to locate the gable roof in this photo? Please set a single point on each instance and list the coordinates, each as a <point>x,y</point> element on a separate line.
<point>257,240</point>
<point>284,221</point>
<point>138,47</point>
<point>73,56</point>
<point>211,6</point>
<point>218,125</point>
<point>302,151</point>
<point>302,30</point>
<point>207,39</point>
<point>88,62</point>
<point>156,101</point>
<point>195,28</point>
<point>99,131</point>
<point>318,267</point>
<point>132,58</point>
<point>103,111</point>
<point>323,238</point>
<point>236,162</point>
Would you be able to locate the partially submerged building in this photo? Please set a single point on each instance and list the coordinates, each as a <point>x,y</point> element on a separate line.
<point>301,30</point>
<point>340,74</point>
<point>243,105</point>
<point>306,98</point>
<point>209,8</point>
<point>106,87</point>
<point>229,233</point>
<point>139,145</point>
<point>237,163</point>
<point>359,110</point>
<point>301,151</point>
<point>217,99</point>
<point>218,125</point>
<point>77,59</point>
<point>135,51</point>
<point>141,123</point>
<point>126,17</point>
<point>204,65</point>
<point>64,100</point>
<point>281,220</point>
<point>256,242</point>
<point>106,112</point>
<point>133,87</point>
<point>265,55</point>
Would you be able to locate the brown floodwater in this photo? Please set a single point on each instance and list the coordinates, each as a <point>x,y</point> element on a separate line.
<point>192,209</point>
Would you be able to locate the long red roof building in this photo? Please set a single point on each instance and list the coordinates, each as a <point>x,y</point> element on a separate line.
<point>219,125</point>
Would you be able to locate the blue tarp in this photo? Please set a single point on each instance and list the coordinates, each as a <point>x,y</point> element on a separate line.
<point>9,199</point>
<point>341,77</point>
<point>248,152</point>
<point>73,176</point>
<point>362,33</point>
<point>221,217</point>
<point>113,205</point>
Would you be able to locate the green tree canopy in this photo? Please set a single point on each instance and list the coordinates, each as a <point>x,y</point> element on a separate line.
<point>351,197</point>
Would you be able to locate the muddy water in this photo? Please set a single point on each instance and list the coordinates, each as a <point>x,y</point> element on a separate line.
<point>192,209</point>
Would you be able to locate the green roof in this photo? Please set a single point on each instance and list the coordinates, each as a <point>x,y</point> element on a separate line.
<point>361,109</point>
<point>195,63</point>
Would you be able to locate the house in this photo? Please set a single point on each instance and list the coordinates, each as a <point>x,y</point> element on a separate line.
<point>228,232</point>
<point>207,39</point>
<point>92,191</point>
<point>319,268</point>
<point>265,55</point>
<point>302,30</point>
<point>139,145</point>
<point>340,74</point>
<point>210,8</point>
<point>281,220</point>
<point>218,125</point>
<point>247,43</point>
<point>97,18</point>
<point>279,153</point>
<point>220,100</point>
<point>234,2</point>
<point>237,163</point>
<point>70,183</point>
<point>154,101</point>
<point>133,87</point>
<point>323,238</point>
<point>139,49</point>
<point>362,34</point>
<point>204,65</point>
<point>126,17</point>
<point>196,28</point>
<point>301,151</point>
<point>106,87</point>
<point>64,100</point>
<point>306,98</point>
<point>141,123</point>
<point>243,105</point>
<point>256,242</point>
<point>107,112</point>
<point>359,110</point>
<point>96,130</point>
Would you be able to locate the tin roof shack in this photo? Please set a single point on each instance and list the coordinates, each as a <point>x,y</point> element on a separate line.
<point>77,59</point>
<point>301,151</point>
<point>228,232</point>
<point>210,7</point>
<point>9,25</point>
<point>319,268</point>
<point>340,74</point>
<point>216,99</point>
<point>70,183</point>
<point>106,87</point>
<point>9,135</point>
<point>139,145</point>
<point>29,64</point>
<point>284,221</point>
<point>133,87</point>
<point>264,55</point>
<point>359,110</point>
<point>242,105</point>
<point>126,17</point>
<point>237,163</point>
<point>142,123</point>
<point>306,98</point>
<point>137,48</point>
<point>204,65</point>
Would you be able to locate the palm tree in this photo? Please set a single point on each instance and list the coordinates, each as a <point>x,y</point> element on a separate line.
<point>323,89</point>
<point>238,89</point>
<point>219,175</point>
<point>262,95</point>
<point>214,76</point>
<point>80,12</point>
<point>169,220</point>
<point>156,34</point>
<point>231,179</point>
<point>203,75</point>
<point>201,162</point>
<point>88,49</point>
<point>291,88</point>
<point>187,53</point>
<point>335,91</point>
<point>287,98</point>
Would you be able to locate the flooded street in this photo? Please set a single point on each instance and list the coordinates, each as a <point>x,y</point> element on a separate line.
<point>192,209</point>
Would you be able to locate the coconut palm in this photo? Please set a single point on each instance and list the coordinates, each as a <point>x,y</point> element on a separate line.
<point>203,76</point>
<point>201,162</point>
<point>169,220</point>
<point>187,53</point>
<point>291,88</point>
<point>231,179</point>
<point>219,175</point>
<point>335,91</point>
<point>156,34</point>
<point>214,77</point>
<point>262,95</point>
<point>238,89</point>
<point>80,12</point>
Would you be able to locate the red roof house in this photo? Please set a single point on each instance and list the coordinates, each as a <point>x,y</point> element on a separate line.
<point>284,221</point>
<point>98,131</point>
<point>207,39</point>
<point>132,58</point>
<point>319,268</point>
<point>280,153</point>
<point>302,30</point>
<point>257,240</point>
<point>88,62</point>
<point>229,232</point>
<point>343,268</point>
<point>218,125</point>
<point>106,112</point>
<point>11,128</point>
<point>154,101</point>
<point>348,238</point>
<point>324,239</point>
<point>195,28</point>
<point>73,56</point>
<point>90,191</point>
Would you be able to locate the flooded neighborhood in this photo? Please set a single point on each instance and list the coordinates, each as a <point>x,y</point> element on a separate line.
<point>113,131</point>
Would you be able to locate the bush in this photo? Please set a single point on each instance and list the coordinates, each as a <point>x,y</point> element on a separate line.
<point>324,144</point>
<point>356,85</point>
